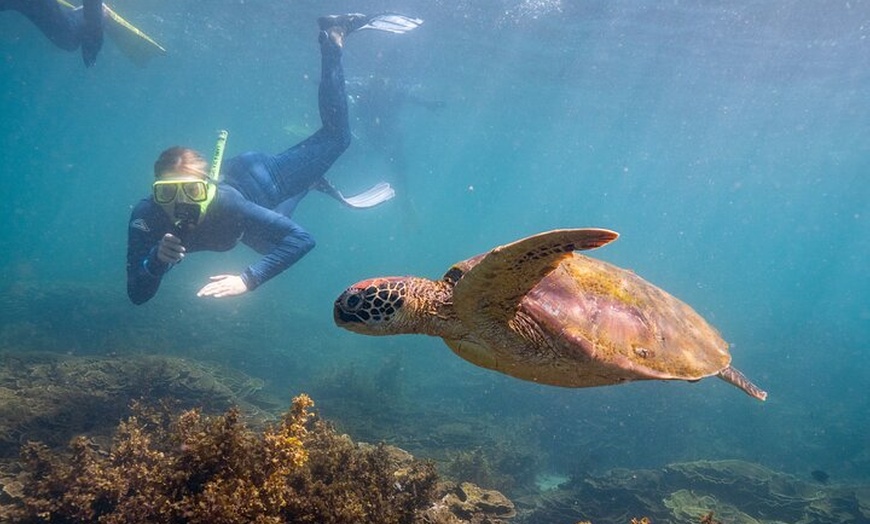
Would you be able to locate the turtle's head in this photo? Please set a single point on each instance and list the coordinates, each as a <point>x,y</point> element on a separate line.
<point>374,307</point>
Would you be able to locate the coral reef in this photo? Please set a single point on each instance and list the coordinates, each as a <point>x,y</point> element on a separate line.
<point>499,467</point>
<point>686,506</point>
<point>709,519</point>
<point>732,491</point>
<point>469,503</point>
<point>191,468</point>
<point>494,452</point>
<point>51,398</point>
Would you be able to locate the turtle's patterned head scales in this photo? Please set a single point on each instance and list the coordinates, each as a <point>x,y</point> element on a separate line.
<point>370,306</point>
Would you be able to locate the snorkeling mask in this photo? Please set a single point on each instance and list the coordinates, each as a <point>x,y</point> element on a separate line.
<point>186,200</point>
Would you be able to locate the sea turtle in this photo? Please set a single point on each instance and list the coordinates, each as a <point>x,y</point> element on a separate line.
<point>535,310</point>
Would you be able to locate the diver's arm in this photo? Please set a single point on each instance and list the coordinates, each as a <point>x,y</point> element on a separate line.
<point>144,269</point>
<point>221,286</point>
<point>291,243</point>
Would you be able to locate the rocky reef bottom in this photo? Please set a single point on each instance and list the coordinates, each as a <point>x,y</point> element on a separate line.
<point>165,463</point>
<point>723,491</point>
<point>166,439</point>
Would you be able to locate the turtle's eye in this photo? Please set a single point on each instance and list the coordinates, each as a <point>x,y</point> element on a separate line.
<point>352,301</point>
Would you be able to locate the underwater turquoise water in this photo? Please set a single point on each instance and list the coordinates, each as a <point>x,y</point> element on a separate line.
<point>728,143</point>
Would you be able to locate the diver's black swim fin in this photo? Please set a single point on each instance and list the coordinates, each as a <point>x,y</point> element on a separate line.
<point>133,43</point>
<point>92,30</point>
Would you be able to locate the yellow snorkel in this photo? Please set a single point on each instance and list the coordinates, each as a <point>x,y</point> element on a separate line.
<point>215,172</point>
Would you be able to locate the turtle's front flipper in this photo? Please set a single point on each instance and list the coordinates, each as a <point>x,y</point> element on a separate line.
<point>496,285</point>
<point>732,376</point>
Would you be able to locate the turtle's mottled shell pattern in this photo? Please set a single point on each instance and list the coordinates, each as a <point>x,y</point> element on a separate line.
<point>612,316</point>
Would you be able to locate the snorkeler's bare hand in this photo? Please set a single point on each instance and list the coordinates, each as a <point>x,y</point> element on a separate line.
<point>223,286</point>
<point>170,250</point>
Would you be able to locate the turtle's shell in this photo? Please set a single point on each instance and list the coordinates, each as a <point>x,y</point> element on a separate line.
<point>582,323</point>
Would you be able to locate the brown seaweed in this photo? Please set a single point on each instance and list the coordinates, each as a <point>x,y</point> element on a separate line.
<point>197,468</point>
<point>189,468</point>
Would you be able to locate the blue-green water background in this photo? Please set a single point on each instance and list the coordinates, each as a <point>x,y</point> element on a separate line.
<point>728,143</point>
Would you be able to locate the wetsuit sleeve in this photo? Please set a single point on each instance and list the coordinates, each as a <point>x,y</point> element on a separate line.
<point>144,270</point>
<point>290,242</point>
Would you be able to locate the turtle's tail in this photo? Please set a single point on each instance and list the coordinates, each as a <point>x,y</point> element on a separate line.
<point>732,376</point>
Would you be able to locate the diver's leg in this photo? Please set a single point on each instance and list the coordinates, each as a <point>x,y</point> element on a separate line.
<point>59,24</point>
<point>331,94</point>
<point>250,174</point>
<point>288,206</point>
<point>297,168</point>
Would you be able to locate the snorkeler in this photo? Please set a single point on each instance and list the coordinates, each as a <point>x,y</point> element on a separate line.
<point>69,28</point>
<point>190,210</point>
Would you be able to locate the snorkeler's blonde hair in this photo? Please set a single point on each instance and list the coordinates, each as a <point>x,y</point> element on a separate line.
<point>181,160</point>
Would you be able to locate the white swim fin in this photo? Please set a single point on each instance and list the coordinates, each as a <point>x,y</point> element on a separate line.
<point>392,23</point>
<point>376,195</point>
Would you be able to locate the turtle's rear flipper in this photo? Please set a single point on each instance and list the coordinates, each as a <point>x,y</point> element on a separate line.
<point>734,377</point>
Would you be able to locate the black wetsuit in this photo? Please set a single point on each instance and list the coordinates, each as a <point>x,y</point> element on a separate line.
<point>67,28</point>
<point>255,198</point>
